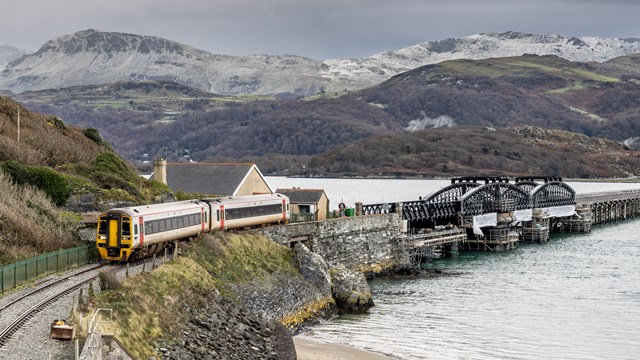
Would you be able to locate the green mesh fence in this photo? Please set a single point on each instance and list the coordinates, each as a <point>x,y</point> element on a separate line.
<point>15,274</point>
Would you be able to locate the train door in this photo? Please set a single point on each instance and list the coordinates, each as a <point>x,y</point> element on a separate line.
<point>113,226</point>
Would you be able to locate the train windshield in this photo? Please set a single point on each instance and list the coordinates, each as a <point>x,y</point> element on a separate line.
<point>102,226</point>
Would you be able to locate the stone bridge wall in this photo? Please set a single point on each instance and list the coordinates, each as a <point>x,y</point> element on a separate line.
<point>362,243</point>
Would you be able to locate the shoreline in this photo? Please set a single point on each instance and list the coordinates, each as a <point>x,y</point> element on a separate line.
<point>308,348</point>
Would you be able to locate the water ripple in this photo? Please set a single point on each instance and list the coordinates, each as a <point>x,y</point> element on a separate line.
<point>575,297</point>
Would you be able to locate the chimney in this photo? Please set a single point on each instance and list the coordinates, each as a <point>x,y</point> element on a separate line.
<point>160,170</point>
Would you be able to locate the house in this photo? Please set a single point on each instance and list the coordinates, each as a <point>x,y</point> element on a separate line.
<point>214,179</point>
<point>307,201</point>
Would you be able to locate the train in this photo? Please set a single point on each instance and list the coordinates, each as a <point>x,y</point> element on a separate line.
<point>136,232</point>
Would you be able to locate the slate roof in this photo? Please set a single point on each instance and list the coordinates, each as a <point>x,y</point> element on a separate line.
<point>302,196</point>
<point>207,178</point>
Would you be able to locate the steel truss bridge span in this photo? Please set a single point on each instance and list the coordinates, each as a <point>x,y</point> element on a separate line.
<point>468,196</point>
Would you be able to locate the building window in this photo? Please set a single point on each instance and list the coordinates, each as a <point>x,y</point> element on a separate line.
<point>305,209</point>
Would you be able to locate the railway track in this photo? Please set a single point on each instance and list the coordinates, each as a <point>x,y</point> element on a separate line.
<point>12,327</point>
<point>25,327</point>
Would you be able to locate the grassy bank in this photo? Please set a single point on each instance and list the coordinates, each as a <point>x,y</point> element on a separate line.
<point>149,307</point>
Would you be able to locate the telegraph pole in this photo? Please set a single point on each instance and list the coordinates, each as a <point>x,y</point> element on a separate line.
<point>18,123</point>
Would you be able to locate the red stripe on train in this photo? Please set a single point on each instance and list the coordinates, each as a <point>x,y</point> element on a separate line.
<point>203,219</point>
<point>141,222</point>
<point>284,210</point>
<point>222,217</point>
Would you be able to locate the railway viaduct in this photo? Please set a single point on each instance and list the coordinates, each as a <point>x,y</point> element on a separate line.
<point>472,213</point>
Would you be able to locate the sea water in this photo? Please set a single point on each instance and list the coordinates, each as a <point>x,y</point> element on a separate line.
<point>575,297</point>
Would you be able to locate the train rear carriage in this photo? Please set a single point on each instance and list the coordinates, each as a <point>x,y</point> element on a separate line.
<point>248,211</point>
<point>143,230</point>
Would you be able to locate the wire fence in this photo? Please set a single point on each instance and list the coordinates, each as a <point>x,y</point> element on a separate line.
<point>15,274</point>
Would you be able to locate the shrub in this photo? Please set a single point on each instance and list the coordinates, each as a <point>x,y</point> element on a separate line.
<point>46,179</point>
<point>57,123</point>
<point>93,135</point>
<point>30,223</point>
<point>109,280</point>
<point>110,163</point>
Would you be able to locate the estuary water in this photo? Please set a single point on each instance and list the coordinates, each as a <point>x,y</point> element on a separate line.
<point>575,297</point>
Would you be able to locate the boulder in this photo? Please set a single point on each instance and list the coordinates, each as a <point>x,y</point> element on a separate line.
<point>313,269</point>
<point>350,290</point>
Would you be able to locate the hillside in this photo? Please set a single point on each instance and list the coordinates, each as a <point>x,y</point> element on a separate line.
<point>176,124</point>
<point>52,170</point>
<point>166,119</point>
<point>464,151</point>
<point>96,57</point>
<point>544,91</point>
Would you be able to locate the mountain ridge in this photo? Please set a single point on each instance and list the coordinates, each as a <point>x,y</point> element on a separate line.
<point>9,53</point>
<point>542,91</point>
<point>96,57</point>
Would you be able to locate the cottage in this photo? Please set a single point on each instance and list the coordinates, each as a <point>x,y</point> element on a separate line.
<point>215,179</point>
<point>312,202</point>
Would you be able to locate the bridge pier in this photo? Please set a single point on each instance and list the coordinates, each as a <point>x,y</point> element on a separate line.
<point>536,230</point>
<point>420,248</point>
<point>604,212</point>
<point>452,250</point>
<point>495,238</point>
<point>581,222</point>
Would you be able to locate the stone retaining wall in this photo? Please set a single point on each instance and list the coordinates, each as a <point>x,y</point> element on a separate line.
<point>362,243</point>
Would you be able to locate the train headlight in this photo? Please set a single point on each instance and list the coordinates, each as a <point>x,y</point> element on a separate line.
<point>102,237</point>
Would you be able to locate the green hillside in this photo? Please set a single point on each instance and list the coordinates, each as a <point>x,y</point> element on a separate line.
<point>165,119</point>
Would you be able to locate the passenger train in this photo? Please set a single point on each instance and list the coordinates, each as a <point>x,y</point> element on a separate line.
<point>139,231</point>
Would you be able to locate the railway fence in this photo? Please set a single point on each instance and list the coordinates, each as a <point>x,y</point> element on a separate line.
<point>17,273</point>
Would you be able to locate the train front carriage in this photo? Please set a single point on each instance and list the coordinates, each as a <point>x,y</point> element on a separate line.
<point>136,232</point>
<point>115,235</point>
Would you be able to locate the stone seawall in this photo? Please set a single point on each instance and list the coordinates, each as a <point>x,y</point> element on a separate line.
<point>366,244</point>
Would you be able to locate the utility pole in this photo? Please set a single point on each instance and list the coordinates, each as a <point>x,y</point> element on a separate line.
<point>18,123</point>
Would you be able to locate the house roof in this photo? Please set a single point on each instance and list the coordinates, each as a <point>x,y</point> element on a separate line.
<point>302,196</point>
<point>208,178</point>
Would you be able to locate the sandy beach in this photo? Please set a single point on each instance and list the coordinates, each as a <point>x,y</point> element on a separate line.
<point>310,349</point>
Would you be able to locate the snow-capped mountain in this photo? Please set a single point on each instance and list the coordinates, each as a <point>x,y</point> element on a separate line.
<point>9,53</point>
<point>381,66</point>
<point>95,57</point>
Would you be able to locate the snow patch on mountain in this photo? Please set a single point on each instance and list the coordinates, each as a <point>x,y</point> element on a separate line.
<point>382,66</point>
<point>96,57</point>
<point>425,122</point>
<point>632,142</point>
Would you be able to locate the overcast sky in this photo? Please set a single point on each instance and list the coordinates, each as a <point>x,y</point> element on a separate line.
<point>318,29</point>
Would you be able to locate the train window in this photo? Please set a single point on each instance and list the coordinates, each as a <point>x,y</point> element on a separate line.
<point>148,228</point>
<point>180,222</point>
<point>174,223</point>
<point>161,225</point>
<point>126,227</point>
<point>287,206</point>
<point>135,229</point>
<point>156,226</point>
<point>217,215</point>
<point>206,217</point>
<point>102,226</point>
